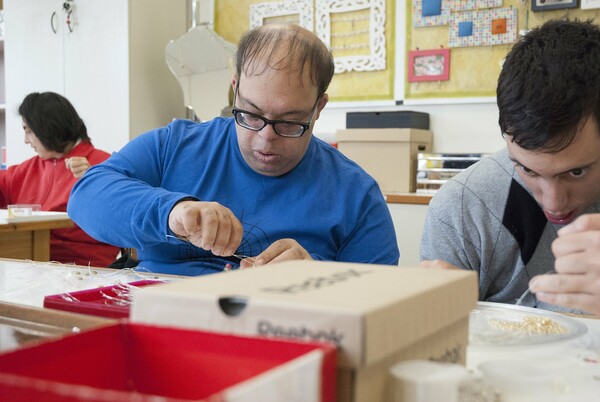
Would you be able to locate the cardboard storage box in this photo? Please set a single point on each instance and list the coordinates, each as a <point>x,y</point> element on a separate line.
<point>132,362</point>
<point>376,315</point>
<point>387,154</point>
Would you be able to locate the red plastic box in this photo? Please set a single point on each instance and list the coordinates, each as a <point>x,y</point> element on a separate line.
<point>127,362</point>
<point>103,301</point>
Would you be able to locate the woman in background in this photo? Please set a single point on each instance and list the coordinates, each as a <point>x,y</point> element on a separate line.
<point>64,153</point>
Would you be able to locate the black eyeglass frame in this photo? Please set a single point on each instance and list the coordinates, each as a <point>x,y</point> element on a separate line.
<point>305,125</point>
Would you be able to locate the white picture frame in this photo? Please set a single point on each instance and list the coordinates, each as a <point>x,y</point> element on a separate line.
<point>259,12</point>
<point>376,60</point>
<point>590,4</point>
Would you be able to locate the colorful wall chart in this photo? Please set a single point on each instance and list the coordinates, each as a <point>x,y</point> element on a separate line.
<point>478,34</point>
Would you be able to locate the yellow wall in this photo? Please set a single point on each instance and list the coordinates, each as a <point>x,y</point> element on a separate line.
<point>232,20</point>
<point>474,71</point>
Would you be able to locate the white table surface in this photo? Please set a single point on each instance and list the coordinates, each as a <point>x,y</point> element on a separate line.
<point>27,283</point>
<point>567,371</point>
<point>36,217</point>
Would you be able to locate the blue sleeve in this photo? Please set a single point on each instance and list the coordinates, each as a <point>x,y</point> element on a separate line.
<point>120,201</point>
<point>374,238</point>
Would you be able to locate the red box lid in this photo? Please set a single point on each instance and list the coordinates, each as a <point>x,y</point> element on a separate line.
<point>107,301</point>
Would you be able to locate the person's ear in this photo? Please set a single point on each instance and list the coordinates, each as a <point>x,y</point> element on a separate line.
<point>234,79</point>
<point>321,104</point>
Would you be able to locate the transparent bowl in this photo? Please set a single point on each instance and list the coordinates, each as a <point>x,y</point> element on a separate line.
<point>506,326</point>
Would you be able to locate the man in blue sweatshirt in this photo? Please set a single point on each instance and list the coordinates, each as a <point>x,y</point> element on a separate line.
<point>254,189</point>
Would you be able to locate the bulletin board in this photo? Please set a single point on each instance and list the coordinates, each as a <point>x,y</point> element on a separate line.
<point>474,61</point>
<point>360,34</point>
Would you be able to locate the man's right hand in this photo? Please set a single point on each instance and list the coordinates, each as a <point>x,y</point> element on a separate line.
<point>576,283</point>
<point>440,264</point>
<point>207,225</point>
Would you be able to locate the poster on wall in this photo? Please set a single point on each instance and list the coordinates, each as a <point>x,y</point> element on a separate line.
<point>298,12</point>
<point>354,30</point>
<point>590,4</point>
<point>479,39</point>
<point>491,27</point>
<point>429,65</point>
<point>428,13</point>
<point>543,5</point>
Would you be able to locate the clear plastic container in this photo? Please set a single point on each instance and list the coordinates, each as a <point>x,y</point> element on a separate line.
<point>17,210</point>
<point>426,381</point>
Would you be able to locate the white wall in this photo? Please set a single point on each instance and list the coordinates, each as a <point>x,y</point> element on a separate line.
<point>457,128</point>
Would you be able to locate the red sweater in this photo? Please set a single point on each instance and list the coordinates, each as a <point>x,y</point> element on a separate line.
<point>49,183</point>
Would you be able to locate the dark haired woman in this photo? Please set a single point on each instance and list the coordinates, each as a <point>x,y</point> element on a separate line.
<point>64,152</point>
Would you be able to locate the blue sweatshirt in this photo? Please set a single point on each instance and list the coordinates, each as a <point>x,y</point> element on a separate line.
<point>327,203</point>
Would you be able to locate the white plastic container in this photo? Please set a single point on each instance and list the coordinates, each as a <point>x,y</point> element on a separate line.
<point>426,381</point>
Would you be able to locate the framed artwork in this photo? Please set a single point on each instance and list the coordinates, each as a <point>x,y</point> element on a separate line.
<point>543,5</point>
<point>299,12</point>
<point>499,26</point>
<point>357,49</point>
<point>427,13</point>
<point>590,4</point>
<point>429,65</point>
<point>467,28</point>
<point>466,5</point>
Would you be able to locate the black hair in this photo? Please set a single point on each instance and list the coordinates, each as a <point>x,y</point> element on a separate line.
<point>53,119</point>
<point>258,48</point>
<point>550,84</point>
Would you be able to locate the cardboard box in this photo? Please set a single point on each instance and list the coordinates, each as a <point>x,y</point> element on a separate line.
<point>127,362</point>
<point>387,154</point>
<point>376,315</point>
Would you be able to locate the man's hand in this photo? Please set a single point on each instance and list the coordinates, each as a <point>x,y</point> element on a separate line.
<point>207,225</point>
<point>437,264</point>
<point>577,282</point>
<point>281,250</point>
<point>78,165</point>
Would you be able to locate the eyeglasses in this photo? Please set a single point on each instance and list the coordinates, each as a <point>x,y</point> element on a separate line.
<point>255,122</point>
